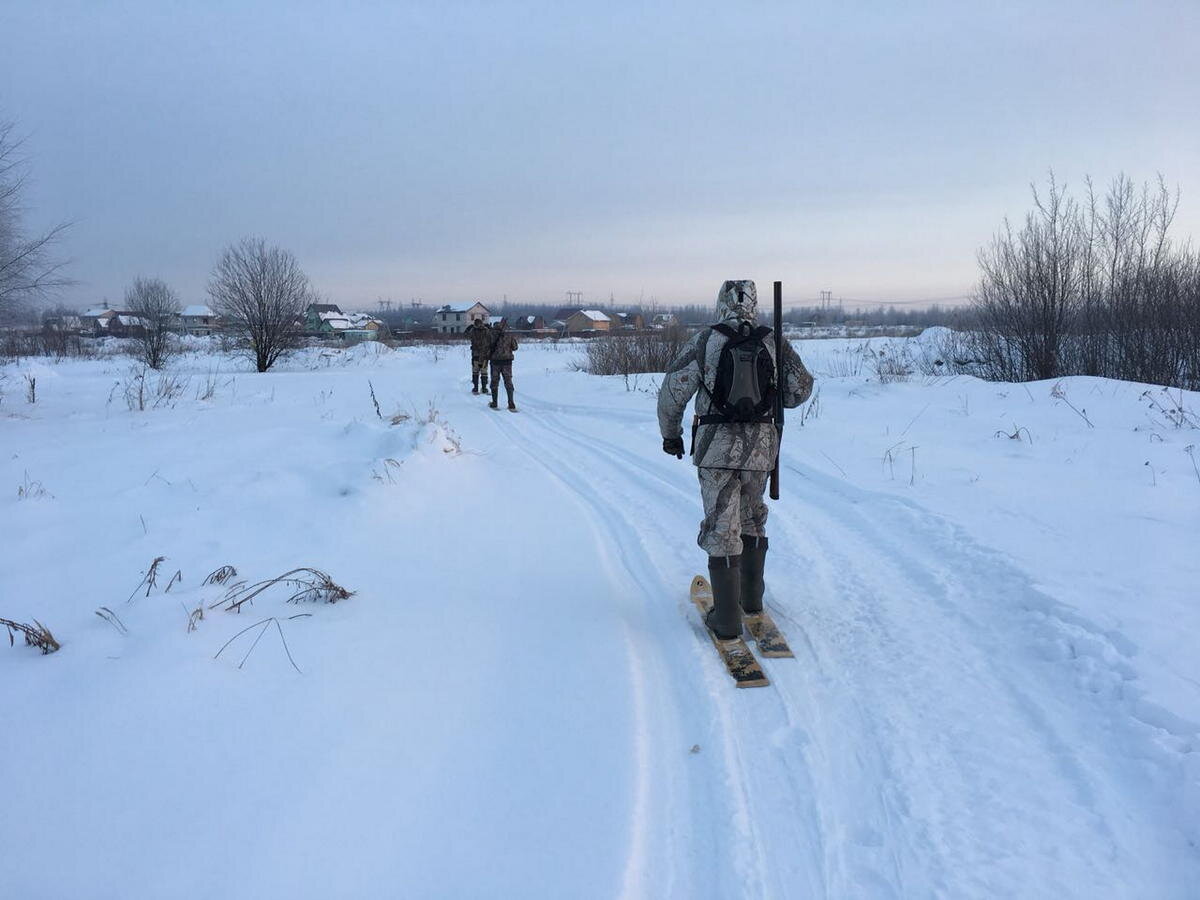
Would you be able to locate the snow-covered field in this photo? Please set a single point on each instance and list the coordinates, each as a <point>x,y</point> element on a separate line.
<point>992,590</point>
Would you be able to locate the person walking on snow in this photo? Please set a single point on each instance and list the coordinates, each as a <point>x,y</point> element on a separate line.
<point>481,346</point>
<point>503,346</point>
<point>734,458</point>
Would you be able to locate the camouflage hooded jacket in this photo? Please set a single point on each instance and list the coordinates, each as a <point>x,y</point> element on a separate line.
<point>504,343</point>
<point>481,339</point>
<point>750,446</point>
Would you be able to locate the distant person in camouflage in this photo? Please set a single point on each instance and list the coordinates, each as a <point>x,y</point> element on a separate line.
<point>734,458</point>
<point>503,346</point>
<point>481,347</point>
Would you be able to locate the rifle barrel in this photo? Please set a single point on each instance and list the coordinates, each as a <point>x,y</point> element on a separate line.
<point>778,386</point>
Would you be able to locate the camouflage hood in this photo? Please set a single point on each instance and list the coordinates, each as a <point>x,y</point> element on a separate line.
<point>738,302</point>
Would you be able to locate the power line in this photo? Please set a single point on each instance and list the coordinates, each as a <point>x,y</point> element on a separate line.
<point>824,301</point>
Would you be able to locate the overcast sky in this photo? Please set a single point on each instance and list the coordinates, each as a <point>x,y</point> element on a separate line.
<point>454,151</point>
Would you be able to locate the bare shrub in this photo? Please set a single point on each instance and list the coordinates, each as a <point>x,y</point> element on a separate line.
<point>36,635</point>
<point>1030,289</point>
<point>620,354</point>
<point>1098,289</point>
<point>16,344</point>
<point>262,290</point>
<point>156,306</point>
<point>846,362</point>
<point>892,362</point>
<point>142,393</point>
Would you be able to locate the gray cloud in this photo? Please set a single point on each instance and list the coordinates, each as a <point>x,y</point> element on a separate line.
<point>473,149</point>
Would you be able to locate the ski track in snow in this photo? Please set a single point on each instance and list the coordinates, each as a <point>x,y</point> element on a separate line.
<point>904,628</point>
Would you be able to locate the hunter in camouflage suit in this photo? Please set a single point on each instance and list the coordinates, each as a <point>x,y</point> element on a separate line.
<point>503,346</point>
<point>734,459</point>
<point>481,348</point>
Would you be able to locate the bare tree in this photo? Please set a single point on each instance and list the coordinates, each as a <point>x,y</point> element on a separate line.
<point>27,268</point>
<point>156,305</point>
<point>1029,289</point>
<point>263,292</point>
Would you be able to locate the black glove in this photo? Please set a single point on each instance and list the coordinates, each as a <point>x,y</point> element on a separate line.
<point>674,446</point>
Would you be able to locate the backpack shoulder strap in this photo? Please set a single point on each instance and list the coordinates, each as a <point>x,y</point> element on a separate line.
<point>701,353</point>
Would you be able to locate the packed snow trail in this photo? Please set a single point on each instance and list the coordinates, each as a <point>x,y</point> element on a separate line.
<point>520,700</point>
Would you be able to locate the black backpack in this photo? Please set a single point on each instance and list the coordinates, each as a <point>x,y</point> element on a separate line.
<point>745,388</point>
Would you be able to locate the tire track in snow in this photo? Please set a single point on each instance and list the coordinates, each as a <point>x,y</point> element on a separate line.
<point>787,834</point>
<point>749,859</point>
<point>635,877</point>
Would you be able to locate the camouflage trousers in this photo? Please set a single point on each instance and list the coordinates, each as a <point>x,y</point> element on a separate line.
<point>733,506</point>
<point>502,368</point>
<point>479,372</point>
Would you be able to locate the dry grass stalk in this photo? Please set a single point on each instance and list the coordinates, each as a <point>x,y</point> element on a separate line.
<point>1058,392</point>
<point>195,617</point>
<point>221,575</point>
<point>374,400</point>
<point>111,618</point>
<point>36,635</point>
<point>265,623</point>
<point>1016,434</point>
<point>311,585</point>
<point>150,579</point>
<point>31,490</point>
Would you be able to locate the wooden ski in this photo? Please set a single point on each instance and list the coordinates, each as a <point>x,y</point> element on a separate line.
<point>766,634</point>
<point>738,659</point>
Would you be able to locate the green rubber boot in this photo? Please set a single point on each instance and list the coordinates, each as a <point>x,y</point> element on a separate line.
<point>725,617</point>
<point>754,556</point>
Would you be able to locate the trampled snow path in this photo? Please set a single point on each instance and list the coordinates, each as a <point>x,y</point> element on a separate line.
<point>519,700</point>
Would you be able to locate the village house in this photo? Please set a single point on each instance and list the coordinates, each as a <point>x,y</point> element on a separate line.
<point>199,320</point>
<point>628,321</point>
<point>364,327</point>
<point>317,314</point>
<point>96,319</point>
<point>587,320</point>
<point>528,323</point>
<point>125,325</point>
<point>664,320</point>
<point>454,318</point>
<point>331,324</point>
